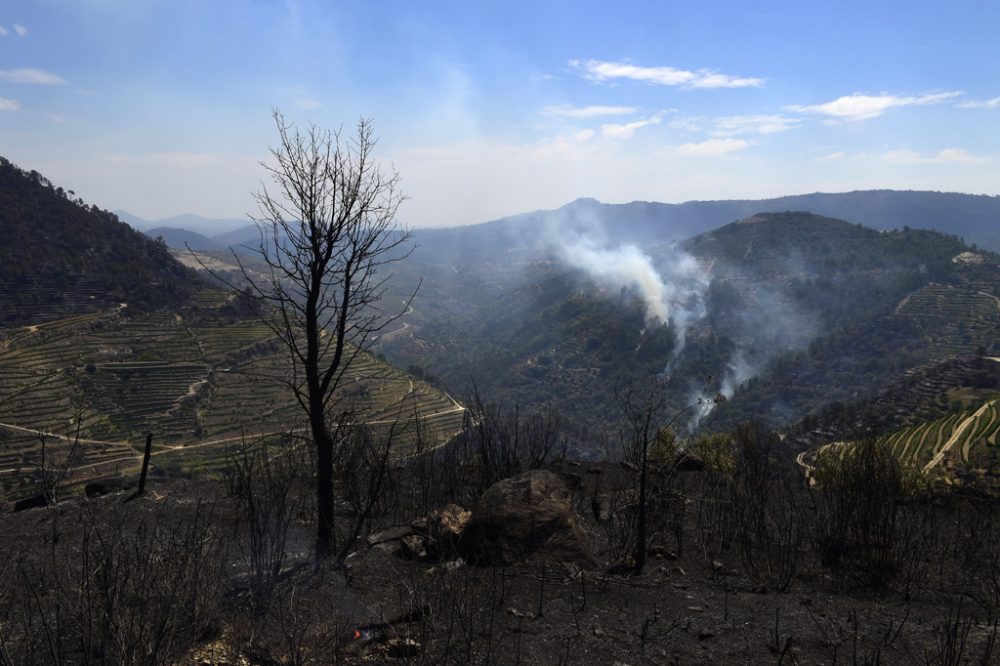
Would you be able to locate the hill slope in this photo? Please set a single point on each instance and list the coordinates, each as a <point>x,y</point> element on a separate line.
<point>792,311</point>
<point>105,337</point>
<point>60,256</point>
<point>198,376</point>
<point>176,238</point>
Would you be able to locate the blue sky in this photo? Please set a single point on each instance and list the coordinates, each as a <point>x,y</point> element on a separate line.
<point>489,109</point>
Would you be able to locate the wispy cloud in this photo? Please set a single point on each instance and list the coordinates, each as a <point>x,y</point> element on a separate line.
<point>31,75</point>
<point>946,156</point>
<point>712,148</point>
<point>20,30</point>
<point>601,71</point>
<point>9,104</point>
<point>3,31</point>
<point>831,157</point>
<point>980,104</point>
<point>861,107</point>
<point>588,111</point>
<point>761,124</point>
<point>627,130</point>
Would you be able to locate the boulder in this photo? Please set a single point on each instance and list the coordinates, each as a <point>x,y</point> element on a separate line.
<point>525,516</point>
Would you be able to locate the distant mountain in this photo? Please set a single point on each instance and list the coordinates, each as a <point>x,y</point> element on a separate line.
<point>134,221</point>
<point>975,218</point>
<point>61,256</point>
<point>207,227</point>
<point>245,235</point>
<point>182,238</point>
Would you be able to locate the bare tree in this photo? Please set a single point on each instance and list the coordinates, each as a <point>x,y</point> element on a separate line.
<point>647,432</point>
<point>328,228</point>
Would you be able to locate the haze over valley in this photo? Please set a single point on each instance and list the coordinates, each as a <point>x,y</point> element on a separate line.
<point>467,334</point>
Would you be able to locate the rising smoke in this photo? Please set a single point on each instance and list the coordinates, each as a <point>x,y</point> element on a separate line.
<point>672,291</point>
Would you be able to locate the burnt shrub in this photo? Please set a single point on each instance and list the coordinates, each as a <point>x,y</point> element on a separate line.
<point>859,531</point>
<point>768,524</point>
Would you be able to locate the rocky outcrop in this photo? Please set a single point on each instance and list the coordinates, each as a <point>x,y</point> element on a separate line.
<point>529,516</point>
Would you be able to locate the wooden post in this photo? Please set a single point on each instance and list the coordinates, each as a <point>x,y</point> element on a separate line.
<point>145,463</point>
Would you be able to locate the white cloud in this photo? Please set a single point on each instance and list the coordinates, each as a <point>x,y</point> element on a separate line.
<point>20,30</point>
<point>31,75</point>
<point>706,79</point>
<point>584,135</point>
<point>761,124</point>
<point>832,157</point>
<point>9,104</point>
<point>627,130</point>
<point>307,104</point>
<point>3,31</point>
<point>980,104</point>
<point>686,123</point>
<point>588,111</point>
<point>946,156</point>
<point>861,107</point>
<point>712,148</point>
<point>601,71</point>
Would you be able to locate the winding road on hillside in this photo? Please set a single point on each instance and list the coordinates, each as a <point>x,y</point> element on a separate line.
<point>956,436</point>
<point>989,295</point>
<point>137,458</point>
<point>406,325</point>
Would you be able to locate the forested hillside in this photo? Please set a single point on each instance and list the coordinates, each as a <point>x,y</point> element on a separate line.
<point>797,310</point>
<point>61,256</point>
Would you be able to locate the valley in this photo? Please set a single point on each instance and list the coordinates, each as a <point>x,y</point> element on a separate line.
<point>598,450</point>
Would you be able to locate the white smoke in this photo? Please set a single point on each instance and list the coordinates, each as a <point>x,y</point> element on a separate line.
<point>674,289</point>
<point>673,292</point>
<point>738,371</point>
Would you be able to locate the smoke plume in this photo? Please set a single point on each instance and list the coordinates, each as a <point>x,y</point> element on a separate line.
<point>672,289</point>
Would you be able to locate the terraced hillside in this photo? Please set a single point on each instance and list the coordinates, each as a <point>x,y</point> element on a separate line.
<point>197,377</point>
<point>962,317</point>
<point>962,446</point>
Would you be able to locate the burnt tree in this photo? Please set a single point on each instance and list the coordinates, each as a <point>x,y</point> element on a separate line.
<point>327,223</point>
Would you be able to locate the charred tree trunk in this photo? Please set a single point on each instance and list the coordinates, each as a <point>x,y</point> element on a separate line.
<point>325,535</point>
<point>641,538</point>
<point>145,464</point>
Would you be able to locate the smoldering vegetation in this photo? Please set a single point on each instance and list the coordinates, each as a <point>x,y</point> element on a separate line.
<point>567,305</point>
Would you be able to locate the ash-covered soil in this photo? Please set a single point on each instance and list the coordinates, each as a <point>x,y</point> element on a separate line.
<point>167,578</point>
